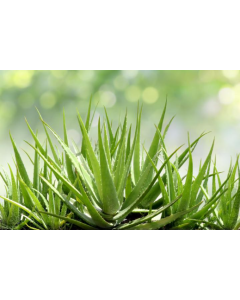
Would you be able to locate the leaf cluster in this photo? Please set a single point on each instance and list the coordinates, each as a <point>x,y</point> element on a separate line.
<point>117,183</point>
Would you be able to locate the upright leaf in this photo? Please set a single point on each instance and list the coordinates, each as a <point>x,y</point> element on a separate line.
<point>20,164</point>
<point>155,142</point>
<point>110,200</point>
<point>87,126</point>
<point>128,143</point>
<point>136,156</point>
<point>36,170</point>
<point>110,133</point>
<point>93,159</point>
<point>107,148</point>
<point>45,175</point>
<point>197,182</point>
<point>121,142</point>
<point>13,217</point>
<point>56,158</point>
<point>67,159</point>
<point>184,202</point>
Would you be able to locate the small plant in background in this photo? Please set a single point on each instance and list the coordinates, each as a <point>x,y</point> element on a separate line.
<point>117,184</point>
<point>10,213</point>
<point>24,198</point>
<point>227,212</point>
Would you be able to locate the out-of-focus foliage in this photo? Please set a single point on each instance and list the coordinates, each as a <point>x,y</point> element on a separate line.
<point>202,100</point>
<point>207,93</point>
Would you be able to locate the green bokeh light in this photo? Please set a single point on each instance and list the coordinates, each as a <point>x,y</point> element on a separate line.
<point>150,95</point>
<point>48,100</point>
<point>133,93</point>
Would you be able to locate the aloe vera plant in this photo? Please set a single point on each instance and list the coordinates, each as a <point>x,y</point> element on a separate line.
<point>10,213</point>
<point>227,212</point>
<point>117,183</point>
<point>25,197</point>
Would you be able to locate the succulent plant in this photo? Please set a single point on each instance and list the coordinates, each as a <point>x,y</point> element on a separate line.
<point>117,183</point>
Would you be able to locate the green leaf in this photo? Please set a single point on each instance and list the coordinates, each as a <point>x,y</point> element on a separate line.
<point>184,156</point>
<point>152,195</point>
<point>36,171</point>
<point>234,204</point>
<point>128,189</point>
<point>56,158</point>
<point>13,217</point>
<point>148,217</point>
<point>208,224</point>
<point>45,175</point>
<point>75,222</point>
<point>179,187</point>
<point>136,156</point>
<point>27,201</point>
<point>237,227</point>
<point>37,205</point>
<point>167,127</point>
<point>119,171</point>
<point>155,191</point>
<point>140,186</point>
<point>128,143</point>
<point>76,163</point>
<point>121,143</point>
<point>206,208</point>
<point>163,222</point>
<point>3,213</point>
<point>184,203</point>
<point>20,164</point>
<point>69,205</point>
<point>132,203</point>
<point>35,137</point>
<point>90,124</point>
<point>126,170</point>
<point>40,146</point>
<point>21,225</point>
<point>169,174</point>
<point>93,159</point>
<point>92,210</point>
<point>51,201</point>
<point>115,144</point>
<point>30,212</point>
<point>89,182</point>
<point>107,148</point>
<point>110,133</point>
<point>38,227</point>
<point>204,186</point>
<point>214,181</point>
<point>110,200</point>
<point>197,182</point>
<point>87,126</point>
<point>43,199</point>
<point>165,196</point>
<point>57,204</point>
<point>155,142</point>
<point>28,157</point>
<point>67,159</point>
<point>3,178</point>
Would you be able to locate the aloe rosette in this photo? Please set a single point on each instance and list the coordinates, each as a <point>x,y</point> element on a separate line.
<point>117,183</point>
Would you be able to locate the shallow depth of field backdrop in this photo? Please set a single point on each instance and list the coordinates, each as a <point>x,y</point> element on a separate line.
<point>201,101</point>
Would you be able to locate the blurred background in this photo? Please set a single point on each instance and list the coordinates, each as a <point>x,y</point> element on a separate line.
<point>201,101</point>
